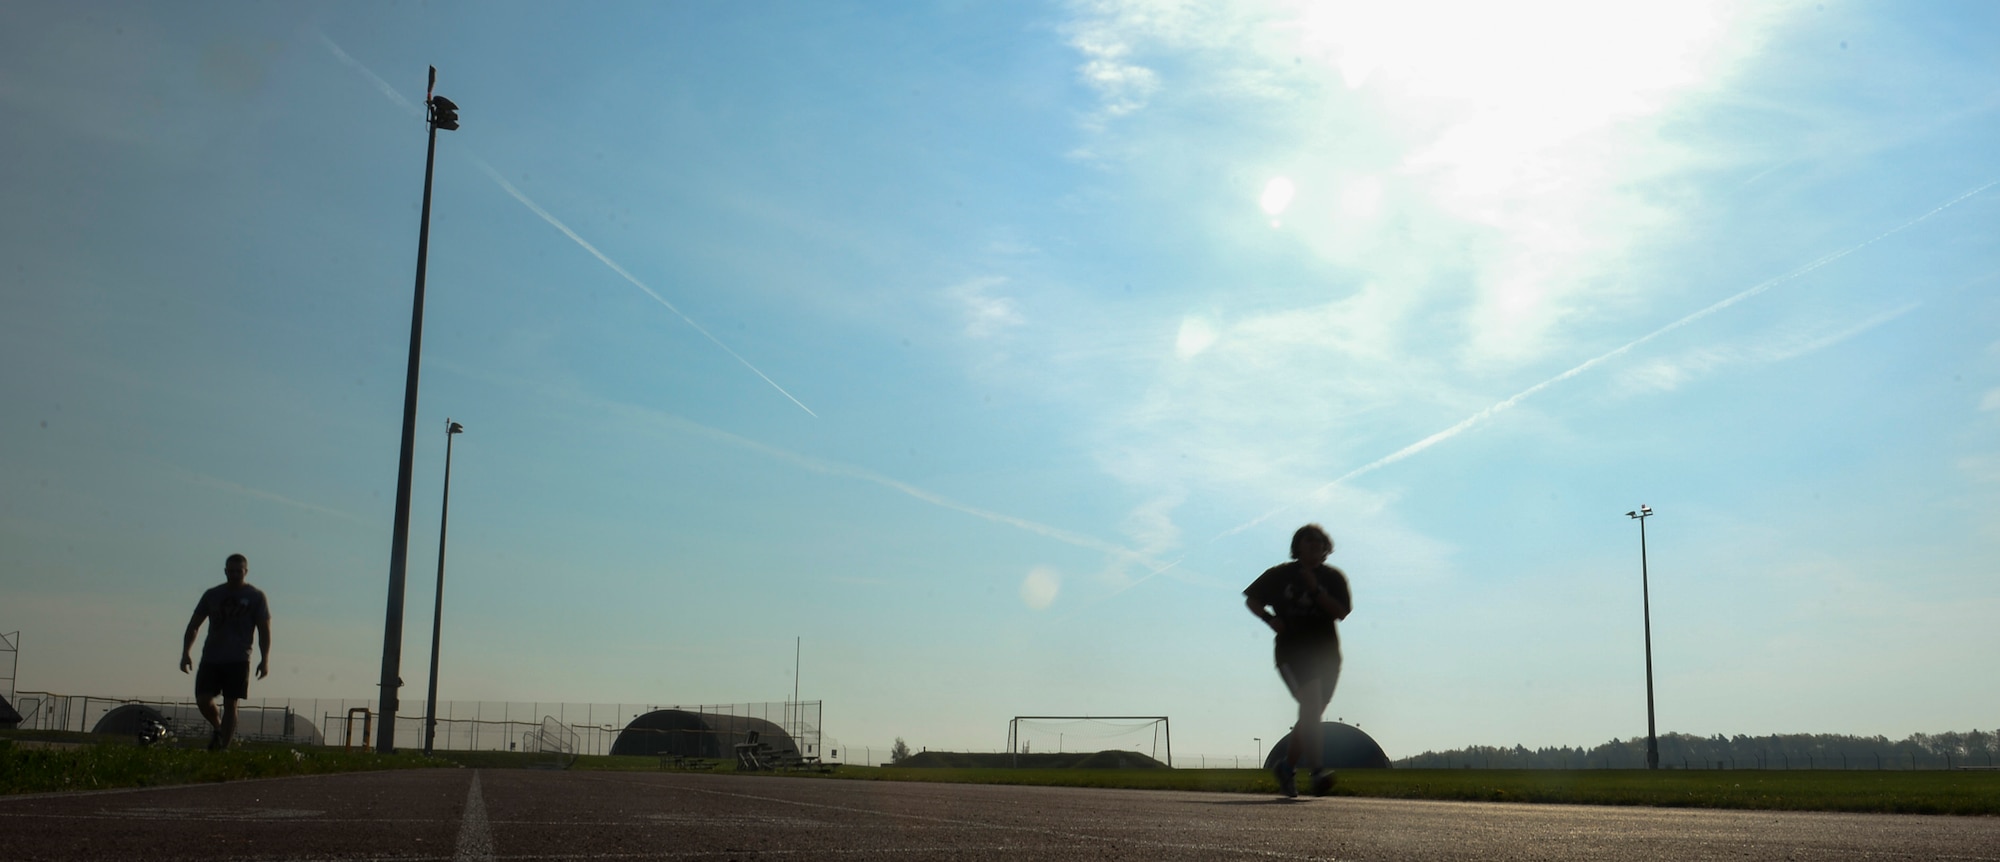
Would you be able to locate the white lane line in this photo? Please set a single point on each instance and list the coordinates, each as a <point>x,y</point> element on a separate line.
<point>475,838</point>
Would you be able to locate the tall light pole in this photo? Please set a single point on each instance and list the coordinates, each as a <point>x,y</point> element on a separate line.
<point>437,609</point>
<point>798,727</point>
<point>1260,750</point>
<point>443,114</point>
<point>1646,602</point>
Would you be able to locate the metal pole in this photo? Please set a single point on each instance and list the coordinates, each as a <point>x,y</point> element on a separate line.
<point>451,429</point>
<point>798,721</point>
<point>392,628</point>
<point>1646,602</point>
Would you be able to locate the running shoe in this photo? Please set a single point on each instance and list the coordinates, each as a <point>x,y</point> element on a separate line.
<point>1322,782</point>
<point>1287,779</point>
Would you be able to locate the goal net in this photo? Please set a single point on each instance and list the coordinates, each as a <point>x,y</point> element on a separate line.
<point>1151,735</point>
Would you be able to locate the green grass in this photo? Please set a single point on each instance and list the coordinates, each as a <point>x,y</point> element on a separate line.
<point>1927,792</point>
<point>1215,780</point>
<point>523,760</point>
<point>100,765</point>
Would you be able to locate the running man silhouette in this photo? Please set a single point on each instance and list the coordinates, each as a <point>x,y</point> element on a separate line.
<point>234,611</point>
<point>1301,601</point>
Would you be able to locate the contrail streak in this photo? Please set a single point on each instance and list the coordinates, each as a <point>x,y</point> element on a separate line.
<point>1482,416</point>
<point>267,496</point>
<point>396,96</point>
<point>607,261</point>
<point>823,467</point>
<point>386,88</point>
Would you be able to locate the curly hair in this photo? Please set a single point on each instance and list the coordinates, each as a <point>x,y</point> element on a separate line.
<point>1308,536</point>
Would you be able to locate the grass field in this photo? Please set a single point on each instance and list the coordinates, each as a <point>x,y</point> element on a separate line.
<point>90,763</point>
<point>84,763</point>
<point>1927,792</point>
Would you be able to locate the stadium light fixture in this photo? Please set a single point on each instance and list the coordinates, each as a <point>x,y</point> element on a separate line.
<point>442,114</point>
<point>437,608</point>
<point>1646,604</point>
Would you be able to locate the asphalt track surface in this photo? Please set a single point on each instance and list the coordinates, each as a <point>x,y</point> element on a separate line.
<point>462,814</point>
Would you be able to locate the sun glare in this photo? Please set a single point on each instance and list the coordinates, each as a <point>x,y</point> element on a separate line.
<point>1039,588</point>
<point>1514,79</point>
<point>1195,336</point>
<point>1546,53</point>
<point>1277,196</point>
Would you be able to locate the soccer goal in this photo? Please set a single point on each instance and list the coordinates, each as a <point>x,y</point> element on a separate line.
<point>1058,734</point>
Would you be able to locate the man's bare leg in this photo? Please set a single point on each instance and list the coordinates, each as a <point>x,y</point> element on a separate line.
<point>207,707</point>
<point>227,727</point>
<point>1306,734</point>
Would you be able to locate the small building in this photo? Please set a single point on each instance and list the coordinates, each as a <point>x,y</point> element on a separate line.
<point>710,735</point>
<point>1343,745</point>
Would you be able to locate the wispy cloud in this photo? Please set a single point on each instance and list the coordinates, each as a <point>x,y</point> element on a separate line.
<point>1496,409</point>
<point>1459,203</point>
<point>522,198</point>
<point>1675,371</point>
<point>1124,86</point>
<point>987,314</point>
<point>1981,468</point>
<point>1511,171</point>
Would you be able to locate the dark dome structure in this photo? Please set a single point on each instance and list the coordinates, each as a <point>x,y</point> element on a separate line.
<point>680,733</point>
<point>253,723</point>
<point>1344,746</point>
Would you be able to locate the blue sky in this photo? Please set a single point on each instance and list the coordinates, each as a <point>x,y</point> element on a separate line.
<point>992,348</point>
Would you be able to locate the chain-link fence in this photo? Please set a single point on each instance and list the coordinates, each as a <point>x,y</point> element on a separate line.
<point>461,725</point>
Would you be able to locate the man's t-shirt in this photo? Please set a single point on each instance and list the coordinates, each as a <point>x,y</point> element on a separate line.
<point>233,614</point>
<point>1284,589</point>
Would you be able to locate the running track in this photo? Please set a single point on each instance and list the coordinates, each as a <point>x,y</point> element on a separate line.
<point>448,814</point>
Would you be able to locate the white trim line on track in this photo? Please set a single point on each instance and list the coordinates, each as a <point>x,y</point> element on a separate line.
<point>475,838</point>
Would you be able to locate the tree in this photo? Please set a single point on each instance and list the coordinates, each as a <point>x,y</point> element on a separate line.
<point>1979,746</point>
<point>900,752</point>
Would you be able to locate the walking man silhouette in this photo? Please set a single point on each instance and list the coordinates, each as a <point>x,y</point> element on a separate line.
<point>234,611</point>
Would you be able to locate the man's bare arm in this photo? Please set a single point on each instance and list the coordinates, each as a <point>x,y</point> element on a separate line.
<point>1270,619</point>
<point>1330,603</point>
<point>187,641</point>
<point>263,647</point>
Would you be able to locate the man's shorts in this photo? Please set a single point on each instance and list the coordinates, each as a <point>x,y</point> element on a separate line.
<point>229,679</point>
<point>1310,664</point>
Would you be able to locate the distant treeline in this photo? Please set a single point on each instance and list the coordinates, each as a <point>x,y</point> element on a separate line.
<point>1950,750</point>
